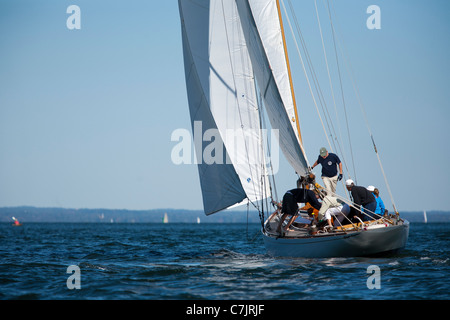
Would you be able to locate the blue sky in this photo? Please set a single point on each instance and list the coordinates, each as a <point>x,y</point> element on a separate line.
<point>86,116</point>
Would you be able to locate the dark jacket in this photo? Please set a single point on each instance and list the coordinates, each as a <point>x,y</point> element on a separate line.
<point>294,196</point>
<point>362,196</point>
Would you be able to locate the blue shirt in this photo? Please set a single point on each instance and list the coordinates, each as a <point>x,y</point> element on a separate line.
<point>380,206</point>
<point>329,165</point>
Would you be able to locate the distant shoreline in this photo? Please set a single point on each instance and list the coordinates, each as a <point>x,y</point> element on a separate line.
<point>27,214</point>
<point>36,214</point>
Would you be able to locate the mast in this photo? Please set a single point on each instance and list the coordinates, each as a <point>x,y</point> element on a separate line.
<point>289,71</point>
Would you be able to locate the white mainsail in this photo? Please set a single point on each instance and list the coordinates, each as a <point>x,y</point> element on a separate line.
<point>220,184</point>
<point>233,98</point>
<point>225,63</point>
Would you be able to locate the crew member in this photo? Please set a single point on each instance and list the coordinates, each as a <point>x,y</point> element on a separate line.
<point>290,204</point>
<point>330,163</point>
<point>363,198</point>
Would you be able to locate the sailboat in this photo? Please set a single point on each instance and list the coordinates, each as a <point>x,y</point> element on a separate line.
<point>165,218</point>
<point>238,74</point>
<point>16,222</point>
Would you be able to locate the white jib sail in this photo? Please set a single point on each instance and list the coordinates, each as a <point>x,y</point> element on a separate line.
<point>261,26</point>
<point>267,19</point>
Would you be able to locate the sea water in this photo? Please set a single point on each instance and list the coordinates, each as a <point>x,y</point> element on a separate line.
<point>61,261</point>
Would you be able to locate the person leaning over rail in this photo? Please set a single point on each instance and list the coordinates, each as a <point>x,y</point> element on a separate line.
<point>330,163</point>
<point>363,198</point>
<point>333,206</point>
<point>290,204</point>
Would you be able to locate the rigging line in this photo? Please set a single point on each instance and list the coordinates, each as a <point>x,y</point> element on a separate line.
<point>327,115</point>
<point>342,151</point>
<point>257,233</point>
<point>304,70</point>
<point>358,207</point>
<point>263,189</point>
<point>246,90</point>
<point>261,144</point>
<point>374,146</point>
<point>269,152</point>
<point>318,87</point>
<point>342,89</point>
<point>314,77</point>
<point>261,214</point>
<point>355,87</point>
<point>319,92</point>
<point>353,205</point>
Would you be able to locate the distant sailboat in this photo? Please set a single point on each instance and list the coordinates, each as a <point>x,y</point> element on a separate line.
<point>198,219</point>
<point>165,218</point>
<point>425,220</point>
<point>16,222</point>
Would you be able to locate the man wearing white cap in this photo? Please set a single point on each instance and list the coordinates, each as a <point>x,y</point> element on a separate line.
<point>330,162</point>
<point>362,198</point>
